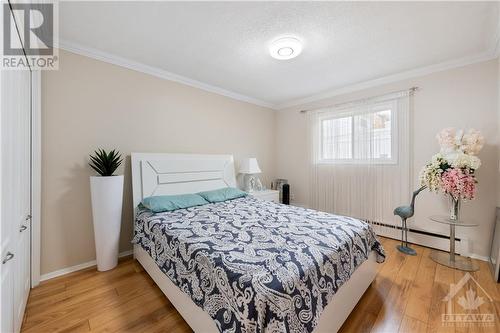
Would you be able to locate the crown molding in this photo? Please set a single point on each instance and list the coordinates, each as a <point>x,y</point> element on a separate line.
<point>422,71</point>
<point>154,71</point>
<point>493,53</point>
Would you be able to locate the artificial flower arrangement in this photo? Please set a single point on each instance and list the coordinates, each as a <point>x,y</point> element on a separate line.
<point>453,170</point>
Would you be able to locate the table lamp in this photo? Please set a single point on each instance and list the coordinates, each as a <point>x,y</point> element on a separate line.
<point>250,167</point>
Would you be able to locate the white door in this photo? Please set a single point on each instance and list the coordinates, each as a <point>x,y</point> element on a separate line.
<point>7,234</point>
<point>15,197</point>
<point>22,143</point>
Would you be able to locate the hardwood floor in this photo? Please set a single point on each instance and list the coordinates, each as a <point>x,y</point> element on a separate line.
<point>406,296</point>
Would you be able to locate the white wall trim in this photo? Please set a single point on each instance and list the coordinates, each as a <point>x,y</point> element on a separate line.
<point>478,257</point>
<point>78,267</point>
<point>36,175</point>
<point>114,59</point>
<point>485,56</point>
<point>163,74</point>
<point>463,246</point>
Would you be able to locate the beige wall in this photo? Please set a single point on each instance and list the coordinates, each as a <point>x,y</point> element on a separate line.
<point>88,104</point>
<point>462,97</point>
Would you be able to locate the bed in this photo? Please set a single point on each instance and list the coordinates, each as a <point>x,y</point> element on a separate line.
<point>247,265</point>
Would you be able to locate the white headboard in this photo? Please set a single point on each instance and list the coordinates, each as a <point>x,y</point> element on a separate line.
<point>167,174</point>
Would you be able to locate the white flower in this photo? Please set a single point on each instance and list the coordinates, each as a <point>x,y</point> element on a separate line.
<point>447,139</point>
<point>430,175</point>
<point>458,150</point>
<point>452,140</point>
<point>463,160</point>
<point>436,158</point>
<point>472,142</point>
<point>451,156</point>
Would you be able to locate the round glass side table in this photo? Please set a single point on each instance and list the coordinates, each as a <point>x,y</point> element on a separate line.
<point>451,260</point>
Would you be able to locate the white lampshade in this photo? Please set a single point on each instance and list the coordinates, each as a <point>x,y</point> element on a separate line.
<point>250,166</point>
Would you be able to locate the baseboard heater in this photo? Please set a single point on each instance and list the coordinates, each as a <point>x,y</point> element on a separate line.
<point>421,237</point>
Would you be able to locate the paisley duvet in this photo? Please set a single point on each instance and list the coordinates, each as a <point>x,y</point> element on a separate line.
<point>254,265</point>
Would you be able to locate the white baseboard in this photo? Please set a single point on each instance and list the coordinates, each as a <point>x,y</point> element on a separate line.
<point>78,267</point>
<point>462,247</point>
<point>478,257</point>
<point>88,264</point>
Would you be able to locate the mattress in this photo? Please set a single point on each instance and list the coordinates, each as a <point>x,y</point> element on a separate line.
<point>254,265</point>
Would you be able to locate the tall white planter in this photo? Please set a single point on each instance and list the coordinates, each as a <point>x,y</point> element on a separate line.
<point>107,201</point>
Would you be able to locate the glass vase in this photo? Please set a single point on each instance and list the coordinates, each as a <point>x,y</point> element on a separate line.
<point>455,209</point>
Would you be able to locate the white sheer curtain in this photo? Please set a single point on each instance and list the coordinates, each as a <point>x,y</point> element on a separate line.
<point>360,157</point>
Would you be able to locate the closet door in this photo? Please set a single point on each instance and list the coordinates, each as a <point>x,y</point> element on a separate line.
<point>23,183</point>
<point>7,227</point>
<point>15,196</point>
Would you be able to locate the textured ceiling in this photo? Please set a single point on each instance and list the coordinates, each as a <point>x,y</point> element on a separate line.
<point>225,44</point>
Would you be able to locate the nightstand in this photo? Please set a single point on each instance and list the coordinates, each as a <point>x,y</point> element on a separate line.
<point>270,195</point>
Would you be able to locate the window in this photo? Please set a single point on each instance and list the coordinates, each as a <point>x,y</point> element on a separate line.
<point>360,135</point>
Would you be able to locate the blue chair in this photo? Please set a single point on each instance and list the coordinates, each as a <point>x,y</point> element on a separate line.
<point>405,212</point>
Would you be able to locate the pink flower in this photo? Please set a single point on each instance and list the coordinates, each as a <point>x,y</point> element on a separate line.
<point>459,183</point>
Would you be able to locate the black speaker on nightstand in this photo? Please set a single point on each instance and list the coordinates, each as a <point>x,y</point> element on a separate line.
<point>285,196</point>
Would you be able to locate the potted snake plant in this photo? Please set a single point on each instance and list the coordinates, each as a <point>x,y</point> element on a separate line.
<point>106,191</point>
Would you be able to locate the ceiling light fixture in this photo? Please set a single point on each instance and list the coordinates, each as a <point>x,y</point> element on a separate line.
<point>285,48</point>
